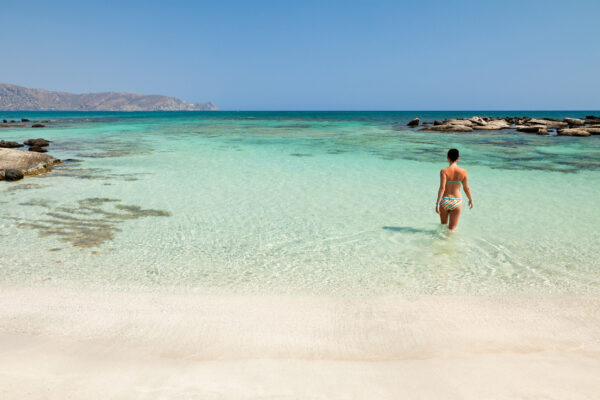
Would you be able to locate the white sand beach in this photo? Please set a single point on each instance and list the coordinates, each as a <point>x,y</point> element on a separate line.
<point>58,344</point>
<point>332,200</point>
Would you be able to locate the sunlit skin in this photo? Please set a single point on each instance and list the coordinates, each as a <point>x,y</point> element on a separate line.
<point>447,189</point>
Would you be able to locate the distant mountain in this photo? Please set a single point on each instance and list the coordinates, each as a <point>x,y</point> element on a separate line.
<point>15,98</point>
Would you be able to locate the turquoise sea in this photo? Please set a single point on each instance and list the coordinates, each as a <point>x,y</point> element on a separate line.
<point>327,203</point>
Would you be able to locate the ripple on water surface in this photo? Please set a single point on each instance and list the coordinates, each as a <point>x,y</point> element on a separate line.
<point>297,204</point>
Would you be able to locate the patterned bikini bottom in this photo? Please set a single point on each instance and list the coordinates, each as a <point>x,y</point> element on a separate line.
<point>450,203</point>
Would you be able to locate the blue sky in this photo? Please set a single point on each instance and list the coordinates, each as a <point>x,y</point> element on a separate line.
<point>312,55</point>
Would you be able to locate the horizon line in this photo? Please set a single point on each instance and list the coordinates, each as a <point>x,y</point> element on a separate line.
<point>315,110</point>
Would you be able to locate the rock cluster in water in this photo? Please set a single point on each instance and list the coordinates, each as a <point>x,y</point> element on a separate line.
<point>23,123</point>
<point>38,145</point>
<point>590,125</point>
<point>14,164</point>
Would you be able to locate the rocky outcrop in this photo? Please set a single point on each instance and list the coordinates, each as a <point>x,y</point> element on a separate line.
<point>529,129</point>
<point>23,123</point>
<point>38,145</point>
<point>573,132</point>
<point>10,174</point>
<point>540,126</point>
<point>448,128</point>
<point>14,98</point>
<point>494,125</point>
<point>478,121</point>
<point>593,130</point>
<point>39,142</point>
<point>27,162</point>
<point>9,145</point>
<point>414,122</point>
<point>574,121</point>
<point>592,120</point>
<point>548,123</point>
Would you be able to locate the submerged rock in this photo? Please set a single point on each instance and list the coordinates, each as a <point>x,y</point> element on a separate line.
<point>12,126</point>
<point>573,132</point>
<point>39,149</point>
<point>27,162</point>
<point>448,128</point>
<point>528,129</point>
<point>38,125</point>
<point>414,122</point>
<point>37,142</point>
<point>11,174</point>
<point>9,145</point>
<point>24,120</point>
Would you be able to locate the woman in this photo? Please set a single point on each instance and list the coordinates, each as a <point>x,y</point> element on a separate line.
<point>449,202</point>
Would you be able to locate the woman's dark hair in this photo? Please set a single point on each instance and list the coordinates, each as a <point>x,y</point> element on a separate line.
<point>453,154</point>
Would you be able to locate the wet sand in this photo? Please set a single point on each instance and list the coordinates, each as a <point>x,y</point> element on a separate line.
<point>58,344</point>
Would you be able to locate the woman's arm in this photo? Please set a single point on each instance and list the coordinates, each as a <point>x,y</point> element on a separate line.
<point>467,189</point>
<point>441,191</point>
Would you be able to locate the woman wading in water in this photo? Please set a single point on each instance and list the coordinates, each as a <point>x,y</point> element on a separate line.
<point>449,201</point>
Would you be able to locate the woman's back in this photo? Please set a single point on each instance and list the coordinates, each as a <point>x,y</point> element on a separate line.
<point>449,200</point>
<point>454,176</point>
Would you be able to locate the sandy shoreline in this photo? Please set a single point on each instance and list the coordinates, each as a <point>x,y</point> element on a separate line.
<point>57,343</point>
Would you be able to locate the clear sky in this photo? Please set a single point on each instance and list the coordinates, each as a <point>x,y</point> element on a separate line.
<point>312,55</point>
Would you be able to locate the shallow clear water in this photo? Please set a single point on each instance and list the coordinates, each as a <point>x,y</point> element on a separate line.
<point>299,203</point>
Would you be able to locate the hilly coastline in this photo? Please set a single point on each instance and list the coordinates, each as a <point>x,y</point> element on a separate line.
<point>19,98</point>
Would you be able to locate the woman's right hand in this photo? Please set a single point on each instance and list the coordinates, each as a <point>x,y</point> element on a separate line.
<point>470,203</point>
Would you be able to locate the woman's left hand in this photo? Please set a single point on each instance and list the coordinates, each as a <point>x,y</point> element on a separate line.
<point>437,208</point>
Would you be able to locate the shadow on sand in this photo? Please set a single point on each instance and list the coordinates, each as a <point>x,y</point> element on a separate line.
<point>408,229</point>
